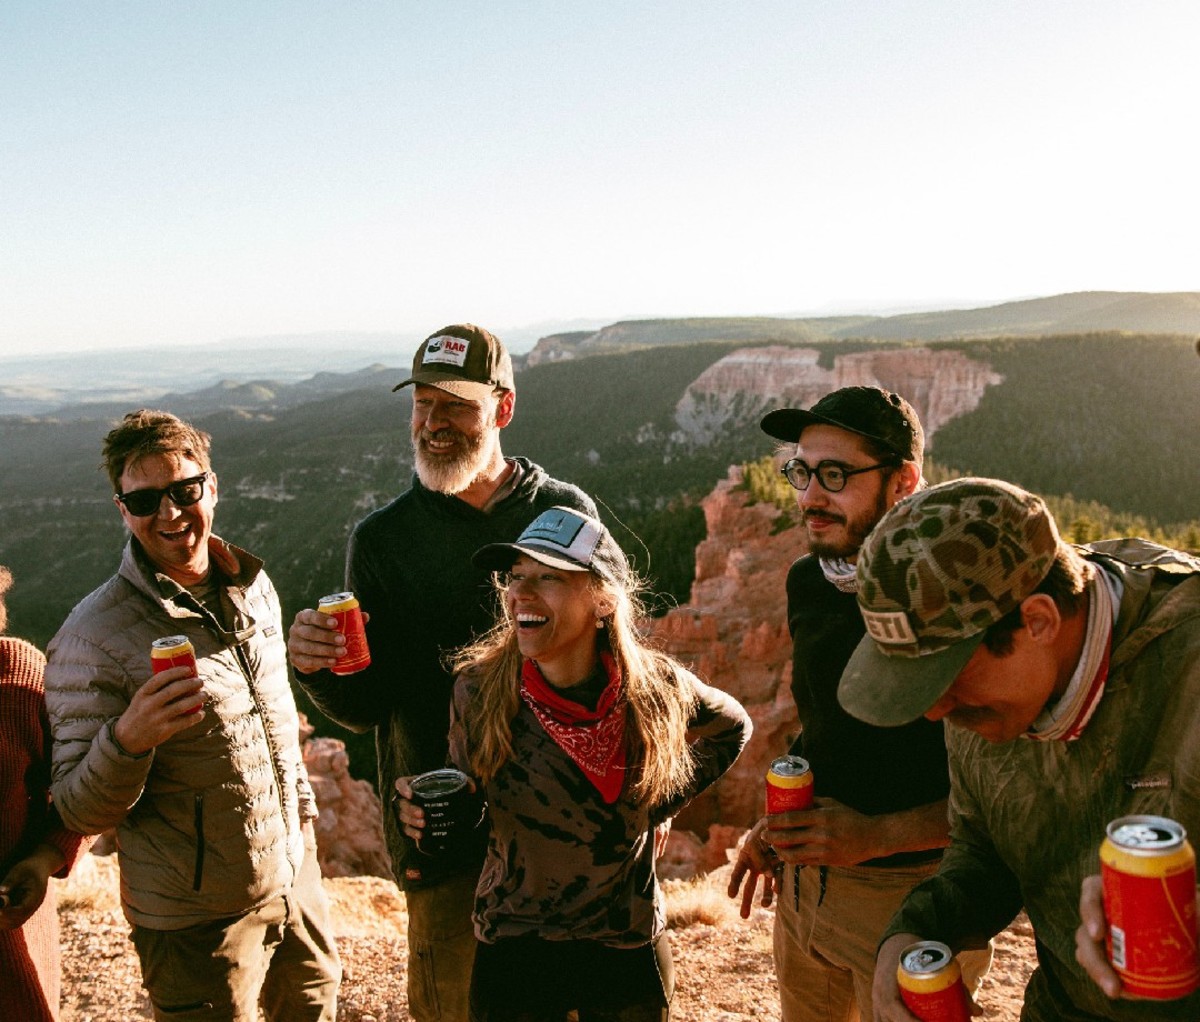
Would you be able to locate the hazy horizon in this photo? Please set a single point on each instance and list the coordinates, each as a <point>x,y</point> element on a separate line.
<point>527,334</point>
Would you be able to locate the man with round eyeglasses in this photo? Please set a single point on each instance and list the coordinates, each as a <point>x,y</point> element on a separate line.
<point>878,824</point>
<point>200,771</point>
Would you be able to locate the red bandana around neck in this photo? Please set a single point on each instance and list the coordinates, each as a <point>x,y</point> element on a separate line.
<point>594,739</point>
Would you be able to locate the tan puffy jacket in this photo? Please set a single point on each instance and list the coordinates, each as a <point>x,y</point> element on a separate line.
<point>208,823</point>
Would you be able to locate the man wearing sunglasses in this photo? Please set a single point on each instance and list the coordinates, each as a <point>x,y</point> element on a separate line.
<point>200,771</point>
<point>878,824</point>
<point>410,565</point>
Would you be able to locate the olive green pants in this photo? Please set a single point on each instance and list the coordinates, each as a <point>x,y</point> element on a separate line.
<point>281,954</point>
<point>441,949</point>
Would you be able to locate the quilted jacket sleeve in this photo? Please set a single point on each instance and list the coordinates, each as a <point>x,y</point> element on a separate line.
<point>94,783</point>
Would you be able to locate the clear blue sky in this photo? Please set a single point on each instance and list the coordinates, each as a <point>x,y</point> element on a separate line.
<point>177,172</point>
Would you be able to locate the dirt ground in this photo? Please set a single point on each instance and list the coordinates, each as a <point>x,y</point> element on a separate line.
<point>723,964</point>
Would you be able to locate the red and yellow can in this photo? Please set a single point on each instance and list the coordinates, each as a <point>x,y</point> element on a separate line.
<point>931,983</point>
<point>344,607</point>
<point>172,651</point>
<point>1148,870</point>
<point>789,784</point>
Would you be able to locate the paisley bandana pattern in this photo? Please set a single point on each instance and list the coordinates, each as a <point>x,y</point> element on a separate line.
<point>594,739</point>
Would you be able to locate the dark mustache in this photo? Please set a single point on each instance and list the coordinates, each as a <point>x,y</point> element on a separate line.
<point>824,516</point>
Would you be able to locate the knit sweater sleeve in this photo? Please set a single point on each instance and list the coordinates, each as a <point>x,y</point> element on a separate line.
<point>25,732</point>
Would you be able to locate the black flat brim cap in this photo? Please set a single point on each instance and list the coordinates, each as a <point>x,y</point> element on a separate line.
<point>788,423</point>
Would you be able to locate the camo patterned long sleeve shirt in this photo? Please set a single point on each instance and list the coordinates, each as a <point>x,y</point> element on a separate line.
<point>561,863</point>
<point>1028,817</point>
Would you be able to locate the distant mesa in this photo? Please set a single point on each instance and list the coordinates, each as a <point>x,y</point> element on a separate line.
<point>1079,312</point>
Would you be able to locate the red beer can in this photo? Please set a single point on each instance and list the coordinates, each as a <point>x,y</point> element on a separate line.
<point>344,607</point>
<point>789,785</point>
<point>172,651</point>
<point>931,984</point>
<point>1148,870</point>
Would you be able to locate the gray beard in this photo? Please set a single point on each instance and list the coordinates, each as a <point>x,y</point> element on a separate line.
<point>450,475</point>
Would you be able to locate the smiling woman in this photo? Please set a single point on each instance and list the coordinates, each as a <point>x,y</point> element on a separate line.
<point>577,734</point>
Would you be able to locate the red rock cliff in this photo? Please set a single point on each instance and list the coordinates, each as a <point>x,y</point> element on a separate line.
<point>733,633</point>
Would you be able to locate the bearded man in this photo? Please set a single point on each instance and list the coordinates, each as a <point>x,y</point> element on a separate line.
<point>409,564</point>
<point>879,821</point>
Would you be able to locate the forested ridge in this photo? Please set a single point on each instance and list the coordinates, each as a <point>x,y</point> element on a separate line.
<point>1104,425</point>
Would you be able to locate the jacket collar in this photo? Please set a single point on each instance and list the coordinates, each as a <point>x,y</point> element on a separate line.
<point>236,564</point>
<point>1148,607</point>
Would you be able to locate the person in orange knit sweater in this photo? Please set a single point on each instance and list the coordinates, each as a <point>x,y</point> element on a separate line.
<point>34,845</point>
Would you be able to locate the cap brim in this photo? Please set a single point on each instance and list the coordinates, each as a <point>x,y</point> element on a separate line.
<point>500,557</point>
<point>788,423</point>
<point>455,385</point>
<point>888,691</point>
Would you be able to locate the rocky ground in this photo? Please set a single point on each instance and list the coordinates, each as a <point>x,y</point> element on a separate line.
<point>723,964</point>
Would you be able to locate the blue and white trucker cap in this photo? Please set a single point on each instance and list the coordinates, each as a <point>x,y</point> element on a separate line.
<point>561,538</point>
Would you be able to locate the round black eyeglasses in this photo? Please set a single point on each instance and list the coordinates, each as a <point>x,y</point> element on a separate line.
<point>831,475</point>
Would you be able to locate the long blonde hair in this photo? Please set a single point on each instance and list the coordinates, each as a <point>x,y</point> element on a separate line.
<point>660,700</point>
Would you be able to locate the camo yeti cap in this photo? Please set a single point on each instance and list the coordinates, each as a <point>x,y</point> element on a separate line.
<point>937,571</point>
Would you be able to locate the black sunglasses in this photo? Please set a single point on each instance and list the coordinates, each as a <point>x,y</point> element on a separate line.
<point>183,493</point>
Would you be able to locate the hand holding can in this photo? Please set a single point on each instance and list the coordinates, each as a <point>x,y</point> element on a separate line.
<point>931,984</point>
<point>170,701</point>
<point>1148,872</point>
<point>344,607</point>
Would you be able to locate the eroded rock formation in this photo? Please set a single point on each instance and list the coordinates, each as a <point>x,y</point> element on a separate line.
<point>746,383</point>
<point>733,633</point>
<point>350,829</point>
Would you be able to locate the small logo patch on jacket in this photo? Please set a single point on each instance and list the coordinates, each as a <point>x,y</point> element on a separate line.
<point>1147,782</point>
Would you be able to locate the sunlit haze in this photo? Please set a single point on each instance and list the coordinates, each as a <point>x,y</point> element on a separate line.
<point>182,173</point>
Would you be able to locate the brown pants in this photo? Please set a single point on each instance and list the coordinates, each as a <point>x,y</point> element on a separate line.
<point>825,942</point>
<point>281,954</point>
